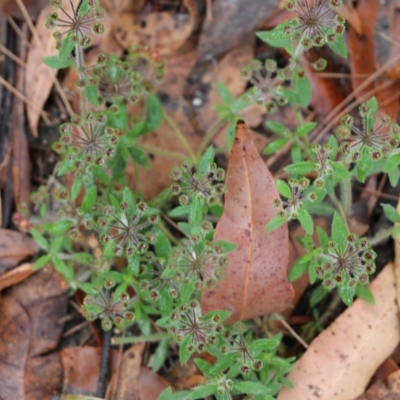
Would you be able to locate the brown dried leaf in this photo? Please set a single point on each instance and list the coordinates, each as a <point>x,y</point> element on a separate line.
<point>132,381</point>
<point>29,334</point>
<point>14,247</point>
<point>16,275</point>
<point>81,367</point>
<point>39,78</point>
<point>166,32</point>
<point>381,391</point>
<point>32,6</point>
<point>340,362</point>
<point>256,279</point>
<point>232,20</point>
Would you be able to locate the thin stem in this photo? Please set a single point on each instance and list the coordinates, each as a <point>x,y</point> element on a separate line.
<point>291,330</point>
<point>209,135</point>
<point>346,196</point>
<point>80,63</point>
<point>161,152</point>
<point>339,207</point>
<point>180,137</point>
<point>381,236</point>
<point>155,337</point>
<point>168,234</point>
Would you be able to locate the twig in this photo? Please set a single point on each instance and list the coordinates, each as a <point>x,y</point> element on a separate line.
<point>105,356</point>
<point>291,330</point>
<point>11,55</point>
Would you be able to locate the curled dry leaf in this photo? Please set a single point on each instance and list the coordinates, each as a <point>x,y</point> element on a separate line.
<point>16,275</point>
<point>164,31</point>
<point>29,367</point>
<point>14,247</point>
<point>340,362</point>
<point>256,278</point>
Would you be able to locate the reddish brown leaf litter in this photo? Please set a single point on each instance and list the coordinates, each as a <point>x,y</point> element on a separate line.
<point>14,247</point>
<point>30,369</point>
<point>256,279</point>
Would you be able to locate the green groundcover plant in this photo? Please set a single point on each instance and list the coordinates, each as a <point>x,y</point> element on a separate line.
<point>144,272</point>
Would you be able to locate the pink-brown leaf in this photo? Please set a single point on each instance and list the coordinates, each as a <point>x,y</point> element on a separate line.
<point>256,279</point>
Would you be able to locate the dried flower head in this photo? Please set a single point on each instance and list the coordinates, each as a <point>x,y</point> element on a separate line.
<point>267,84</point>
<point>317,22</point>
<point>76,22</point>
<point>200,261</point>
<point>376,139</point>
<point>189,183</point>
<point>108,307</point>
<point>148,63</point>
<point>86,141</point>
<point>117,81</point>
<point>128,230</point>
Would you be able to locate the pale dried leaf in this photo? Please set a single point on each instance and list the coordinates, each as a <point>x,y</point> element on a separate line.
<point>256,278</point>
<point>39,78</point>
<point>16,275</point>
<point>340,362</point>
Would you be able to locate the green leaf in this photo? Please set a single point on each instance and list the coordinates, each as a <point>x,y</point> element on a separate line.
<point>226,246</point>
<point>339,46</point>
<point>277,38</point>
<point>76,187</point>
<point>283,188</point>
<point>239,104</point>
<point>396,232</point>
<point>184,353</point>
<point>275,146</point>
<point>41,261</point>
<point>180,211</point>
<point>306,220</point>
<point>305,129</point>
<point>206,160</point>
<point>391,213</point>
<point>251,388</point>
<point>392,163</point>
<point>364,293</point>
<point>90,92</point>
<point>58,63</point>
<point>82,257</point>
<point>295,153</point>
<point>40,239</point>
<point>277,128</point>
<point>300,168</point>
<point>65,270</point>
<point>201,392</point>
<point>322,237</point>
<point>302,88</point>
<point>60,227</point>
<point>166,394</point>
<point>339,232</point>
<point>299,268</point>
<point>159,355</point>
<point>163,245</point>
<point>347,294</point>
<point>317,295</point>
<point>139,156</point>
<point>340,171</point>
<point>275,223</point>
<point>224,93</point>
<point>89,199</point>
<point>394,176</point>
<point>154,113</point>
<point>195,212</point>
<point>66,48</point>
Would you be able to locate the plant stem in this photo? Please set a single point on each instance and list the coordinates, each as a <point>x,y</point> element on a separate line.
<point>209,135</point>
<point>161,152</point>
<point>180,137</point>
<point>382,235</point>
<point>339,207</point>
<point>155,337</point>
<point>80,62</point>
<point>346,196</point>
